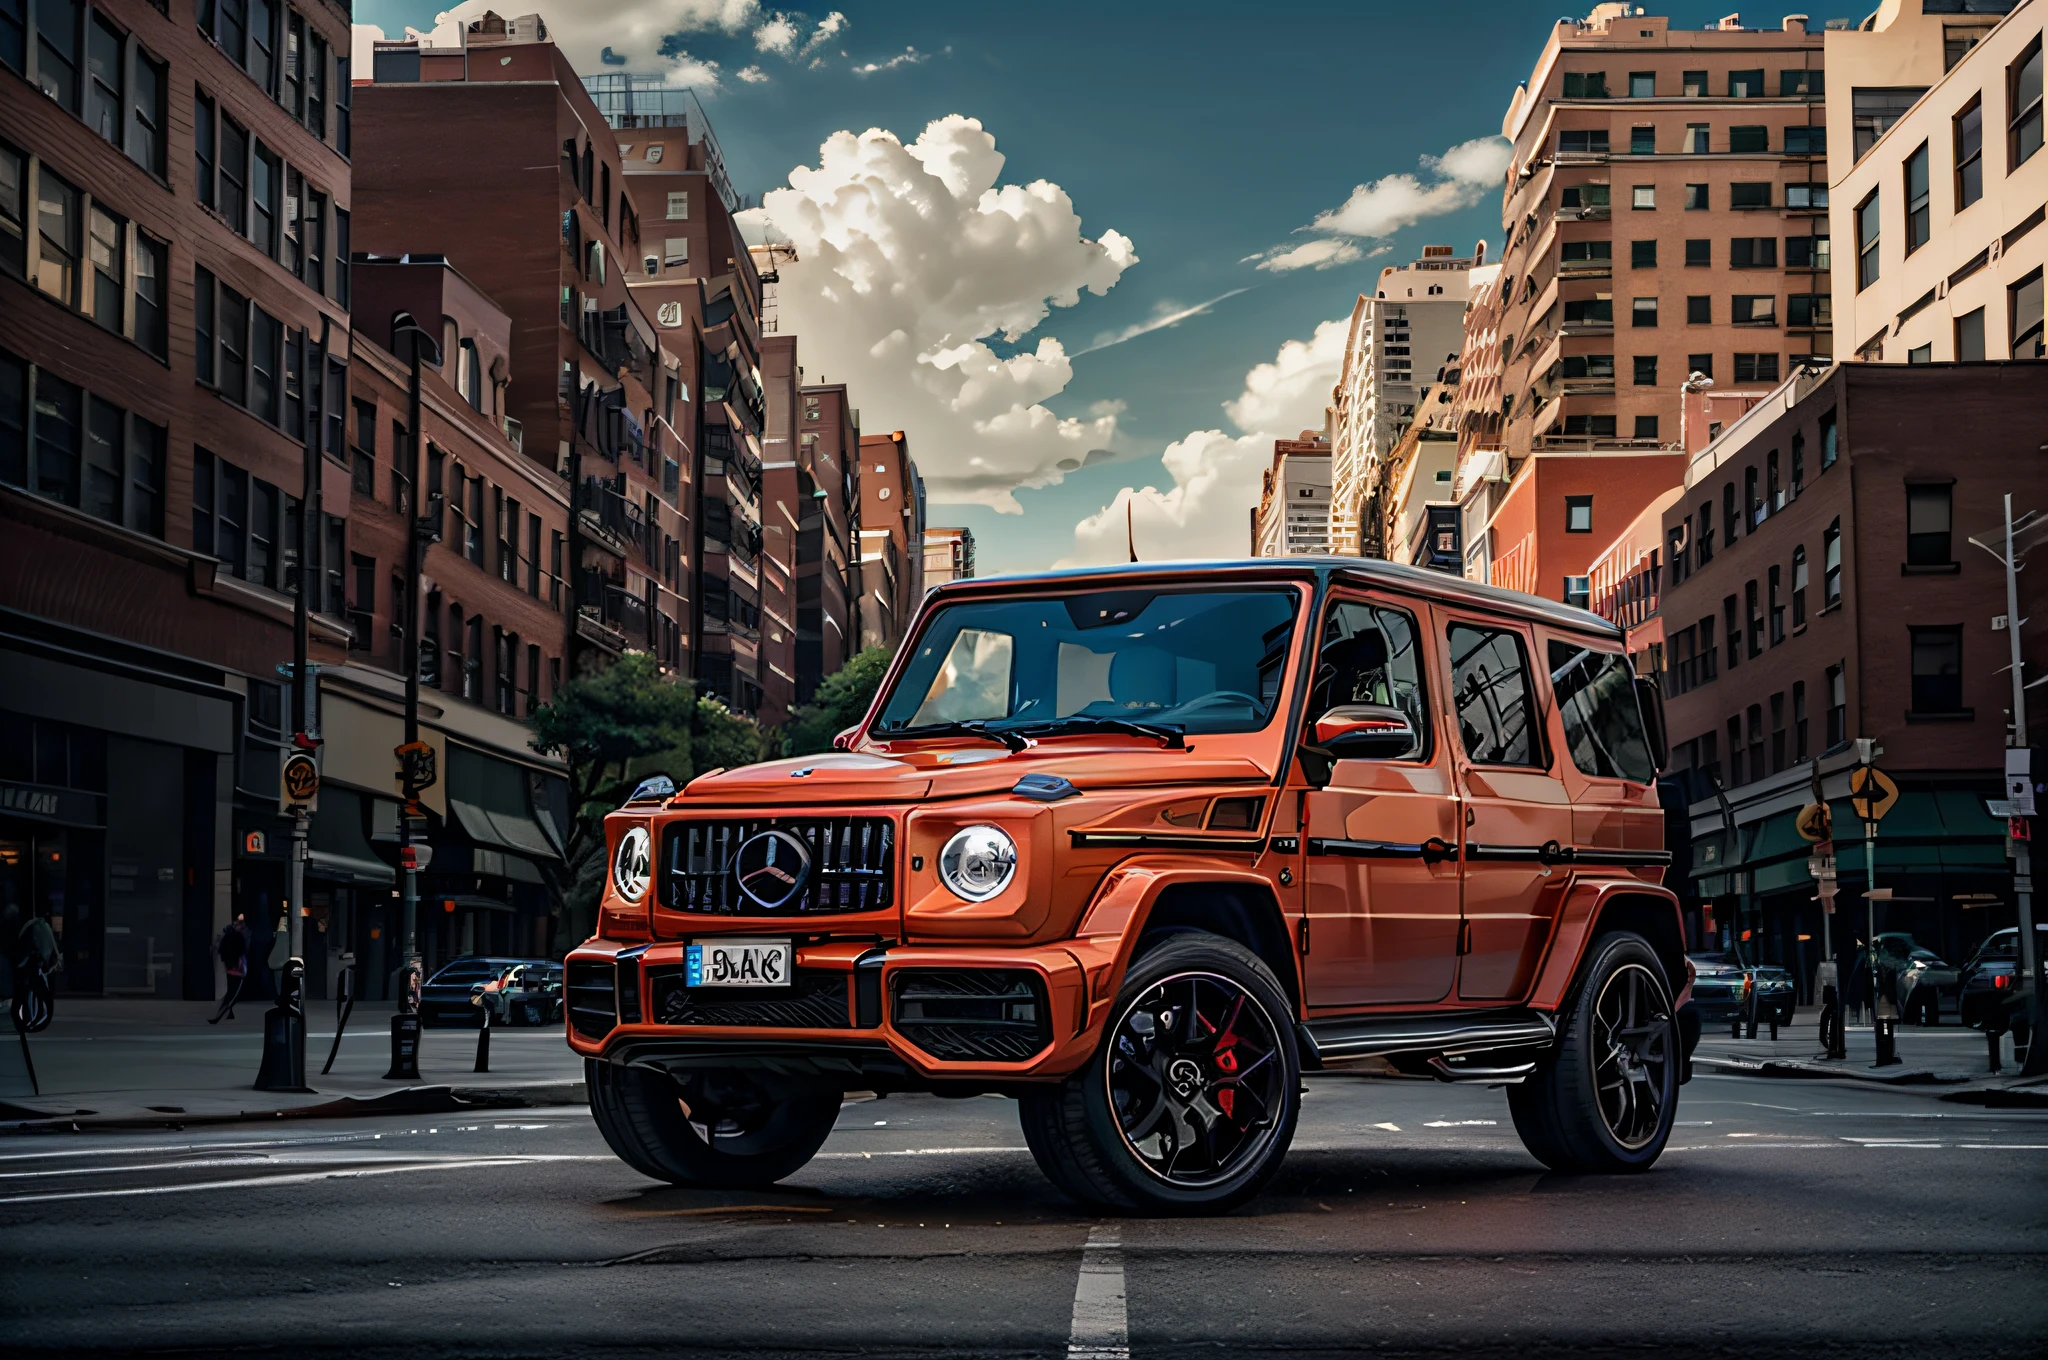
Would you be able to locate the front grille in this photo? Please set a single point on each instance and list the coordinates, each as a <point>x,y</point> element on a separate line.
<point>817,1000</point>
<point>972,1014</point>
<point>853,865</point>
<point>592,989</point>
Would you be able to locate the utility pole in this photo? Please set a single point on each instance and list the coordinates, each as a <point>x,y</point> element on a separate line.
<point>2022,864</point>
<point>311,579</point>
<point>412,764</point>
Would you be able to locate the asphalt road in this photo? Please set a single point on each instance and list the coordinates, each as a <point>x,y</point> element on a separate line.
<point>1788,1217</point>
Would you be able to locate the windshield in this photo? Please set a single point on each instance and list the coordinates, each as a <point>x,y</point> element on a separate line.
<point>1193,661</point>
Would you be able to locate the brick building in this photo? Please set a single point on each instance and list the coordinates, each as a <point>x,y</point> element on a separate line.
<point>1293,513</point>
<point>1665,213</point>
<point>948,555</point>
<point>828,586</point>
<point>891,539</point>
<point>1841,600</point>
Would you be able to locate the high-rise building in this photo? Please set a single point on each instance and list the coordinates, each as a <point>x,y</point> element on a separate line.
<point>1412,322</point>
<point>1665,212</point>
<point>479,144</point>
<point>1292,517</point>
<point>1879,68</point>
<point>781,510</point>
<point>828,572</point>
<point>891,538</point>
<point>948,555</point>
<point>1942,213</point>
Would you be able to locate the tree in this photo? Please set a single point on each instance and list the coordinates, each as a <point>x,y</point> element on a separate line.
<point>614,728</point>
<point>839,703</point>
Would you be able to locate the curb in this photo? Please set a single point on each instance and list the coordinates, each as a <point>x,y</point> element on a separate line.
<point>1773,1067</point>
<point>411,1100</point>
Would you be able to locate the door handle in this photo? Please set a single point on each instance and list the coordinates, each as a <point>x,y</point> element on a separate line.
<point>1470,815</point>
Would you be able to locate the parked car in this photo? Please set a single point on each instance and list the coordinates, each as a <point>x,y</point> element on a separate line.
<point>445,997</point>
<point>1989,980</point>
<point>1140,845</point>
<point>1922,979</point>
<point>524,994</point>
<point>1716,987</point>
<point>1776,993</point>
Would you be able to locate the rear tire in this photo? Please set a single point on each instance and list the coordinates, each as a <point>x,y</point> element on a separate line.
<point>1189,1103</point>
<point>718,1130</point>
<point>1603,1099</point>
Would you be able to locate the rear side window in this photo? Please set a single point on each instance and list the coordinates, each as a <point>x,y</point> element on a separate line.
<point>1490,685</point>
<point>1603,727</point>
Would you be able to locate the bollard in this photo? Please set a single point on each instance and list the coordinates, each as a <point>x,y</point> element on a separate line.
<point>483,1040</point>
<point>1774,1024</point>
<point>405,1047</point>
<point>344,1005</point>
<point>1887,1042</point>
<point>1991,1040</point>
<point>1833,1040</point>
<point>284,1034</point>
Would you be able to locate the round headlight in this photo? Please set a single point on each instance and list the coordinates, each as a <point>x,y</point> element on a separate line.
<point>978,862</point>
<point>631,864</point>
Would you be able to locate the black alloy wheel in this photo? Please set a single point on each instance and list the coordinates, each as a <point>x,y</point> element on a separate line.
<point>1190,1100</point>
<point>1194,1077</point>
<point>1632,1035</point>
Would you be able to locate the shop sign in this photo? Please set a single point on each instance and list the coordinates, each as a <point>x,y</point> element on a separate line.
<point>68,806</point>
<point>299,783</point>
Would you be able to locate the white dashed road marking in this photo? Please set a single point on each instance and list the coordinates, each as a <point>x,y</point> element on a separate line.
<point>1101,1328</point>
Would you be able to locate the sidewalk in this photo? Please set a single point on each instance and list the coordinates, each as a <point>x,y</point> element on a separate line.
<point>124,1062</point>
<point>1946,1060</point>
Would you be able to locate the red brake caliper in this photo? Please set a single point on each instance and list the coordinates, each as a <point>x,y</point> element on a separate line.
<point>1226,1061</point>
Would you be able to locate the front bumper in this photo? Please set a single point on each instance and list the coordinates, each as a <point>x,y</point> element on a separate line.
<point>867,1016</point>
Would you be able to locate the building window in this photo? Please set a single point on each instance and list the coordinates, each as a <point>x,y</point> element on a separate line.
<point>108,248</point>
<point>1747,309</point>
<point>1801,140</point>
<point>1646,370</point>
<point>1918,222</point>
<point>103,93</point>
<point>2023,307</point>
<point>1578,592</point>
<point>1749,140</point>
<point>1806,196</point>
<point>1776,605</point>
<point>1697,141</point>
<point>1937,670</point>
<point>1585,85</point>
<point>1643,313</point>
<point>1838,705</point>
<point>57,230</point>
<point>1799,720</point>
<point>1699,310</point>
<point>1828,448</point>
<point>1578,514</point>
<point>363,464</point>
<point>1643,196</point>
<point>1753,252</point>
<point>1756,741</point>
<point>1582,143</point>
<point>1642,140</point>
<point>1729,518</point>
<point>1756,368</point>
<point>1798,586</point>
<point>1968,131</point>
<point>1807,252</point>
<point>1589,426</point>
<point>1646,427</point>
<point>1745,84</point>
<point>1810,311</point>
<point>1928,520</point>
<point>1699,254</point>
<point>1706,535</point>
<point>1699,365</point>
<point>1694,84</point>
<point>1642,84</point>
<point>1921,354</point>
<point>1752,620</point>
<point>1695,198</point>
<point>1831,566</point>
<point>679,205</point>
<point>2023,86</point>
<point>1710,651</point>
<point>1749,196</point>
<point>1642,254</point>
<point>1875,110</point>
<point>1731,628</point>
<point>1866,241</point>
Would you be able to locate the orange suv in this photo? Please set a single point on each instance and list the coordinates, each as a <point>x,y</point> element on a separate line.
<point>1139,846</point>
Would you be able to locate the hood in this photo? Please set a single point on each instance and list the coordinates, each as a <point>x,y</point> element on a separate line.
<point>960,772</point>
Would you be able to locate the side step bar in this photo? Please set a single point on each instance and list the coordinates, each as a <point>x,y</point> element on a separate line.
<point>1434,1038</point>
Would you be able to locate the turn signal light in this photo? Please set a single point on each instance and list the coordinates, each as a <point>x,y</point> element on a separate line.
<point>2001,982</point>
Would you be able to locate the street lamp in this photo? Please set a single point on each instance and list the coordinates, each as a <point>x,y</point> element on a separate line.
<point>415,760</point>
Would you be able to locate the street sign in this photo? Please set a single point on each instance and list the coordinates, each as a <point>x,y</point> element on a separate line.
<point>300,784</point>
<point>1815,822</point>
<point>416,765</point>
<point>1871,792</point>
<point>1821,866</point>
<point>2019,783</point>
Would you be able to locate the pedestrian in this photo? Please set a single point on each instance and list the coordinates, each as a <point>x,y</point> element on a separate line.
<point>33,959</point>
<point>233,948</point>
<point>1862,992</point>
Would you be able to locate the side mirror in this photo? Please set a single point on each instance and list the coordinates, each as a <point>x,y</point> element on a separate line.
<point>1650,699</point>
<point>844,741</point>
<point>1365,732</point>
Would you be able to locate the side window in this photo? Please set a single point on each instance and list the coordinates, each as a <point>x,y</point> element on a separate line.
<point>1490,686</point>
<point>1603,727</point>
<point>1371,655</point>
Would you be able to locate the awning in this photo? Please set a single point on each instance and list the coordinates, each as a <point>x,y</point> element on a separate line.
<point>1926,831</point>
<point>336,848</point>
<point>493,802</point>
<point>1479,465</point>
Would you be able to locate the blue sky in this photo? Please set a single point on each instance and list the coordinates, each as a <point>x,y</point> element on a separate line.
<point>1203,132</point>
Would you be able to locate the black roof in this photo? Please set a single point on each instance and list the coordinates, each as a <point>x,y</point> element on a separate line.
<point>1363,571</point>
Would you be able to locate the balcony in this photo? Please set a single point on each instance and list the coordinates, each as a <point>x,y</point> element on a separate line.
<point>608,614</point>
<point>1598,443</point>
<point>613,523</point>
<point>1586,269</point>
<point>1587,387</point>
<point>1591,212</point>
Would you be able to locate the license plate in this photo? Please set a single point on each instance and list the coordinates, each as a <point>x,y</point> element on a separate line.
<point>740,963</point>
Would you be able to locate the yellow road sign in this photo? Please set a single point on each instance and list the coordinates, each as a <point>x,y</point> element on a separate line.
<point>1815,822</point>
<point>301,781</point>
<point>1871,792</point>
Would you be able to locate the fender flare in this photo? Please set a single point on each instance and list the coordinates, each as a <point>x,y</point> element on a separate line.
<point>1116,917</point>
<point>1578,923</point>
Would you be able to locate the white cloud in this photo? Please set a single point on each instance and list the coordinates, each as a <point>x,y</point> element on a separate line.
<point>1452,182</point>
<point>1166,315</point>
<point>830,27</point>
<point>752,75</point>
<point>909,56</point>
<point>779,35</point>
<point>1309,255</point>
<point>908,258</point>
<point>1215,474</point>
<point>640,33</point>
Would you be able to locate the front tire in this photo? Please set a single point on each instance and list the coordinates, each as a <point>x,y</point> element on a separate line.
<point>1603,1099</point>
<point>717,1130</point>
<point>1189,1103</point>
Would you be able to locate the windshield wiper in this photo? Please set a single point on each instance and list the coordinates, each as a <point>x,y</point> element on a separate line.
<point>1001,736</point>
<point>1169,735</point>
